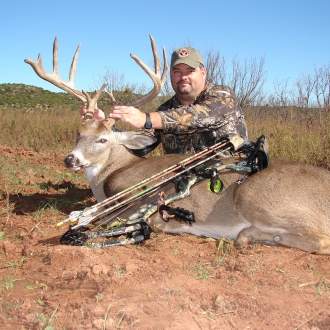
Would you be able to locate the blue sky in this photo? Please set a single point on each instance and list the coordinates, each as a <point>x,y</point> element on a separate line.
<point>292,35</point>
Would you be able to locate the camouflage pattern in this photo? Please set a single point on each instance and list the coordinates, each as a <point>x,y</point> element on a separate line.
<point>191,128</point>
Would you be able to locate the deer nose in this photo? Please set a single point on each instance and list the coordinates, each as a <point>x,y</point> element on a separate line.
<point>71,161</point>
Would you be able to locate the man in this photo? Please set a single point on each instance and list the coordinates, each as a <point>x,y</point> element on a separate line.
<point>197,116</point>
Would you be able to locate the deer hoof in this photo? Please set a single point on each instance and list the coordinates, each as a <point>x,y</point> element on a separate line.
<point>243,242</point>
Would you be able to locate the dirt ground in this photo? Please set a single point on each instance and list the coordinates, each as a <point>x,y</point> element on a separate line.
<point>167,282</point>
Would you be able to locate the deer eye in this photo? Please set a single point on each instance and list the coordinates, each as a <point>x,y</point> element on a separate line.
<point>102,141</point>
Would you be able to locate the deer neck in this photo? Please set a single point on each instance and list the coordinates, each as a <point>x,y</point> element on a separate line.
<point>118,157</point>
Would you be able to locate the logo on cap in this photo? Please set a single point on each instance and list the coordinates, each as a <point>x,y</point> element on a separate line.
<point>183,52</point>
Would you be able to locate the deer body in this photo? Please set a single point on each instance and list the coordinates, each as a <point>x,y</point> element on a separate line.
<point>287,203</point>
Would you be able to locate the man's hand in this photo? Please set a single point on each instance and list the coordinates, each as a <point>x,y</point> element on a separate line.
<point>98,113</point>
<point>129,115</point>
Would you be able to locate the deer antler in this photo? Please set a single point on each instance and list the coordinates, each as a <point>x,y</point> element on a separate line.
<point>92,102</point>
<point>155,76</point>
<point>55,79</point>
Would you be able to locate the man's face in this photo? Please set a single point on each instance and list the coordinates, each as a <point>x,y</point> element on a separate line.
<point>187,80</point>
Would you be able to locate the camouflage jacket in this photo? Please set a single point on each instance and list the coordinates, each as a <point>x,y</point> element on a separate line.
<point>192,128</point>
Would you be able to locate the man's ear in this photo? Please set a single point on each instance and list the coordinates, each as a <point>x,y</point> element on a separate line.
<point>204,72</point>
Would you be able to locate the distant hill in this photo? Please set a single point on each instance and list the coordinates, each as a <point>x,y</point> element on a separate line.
<point>26,97</point>
<point>30,98</point>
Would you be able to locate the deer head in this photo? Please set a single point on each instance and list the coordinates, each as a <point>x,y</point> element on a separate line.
<point>101,148</point>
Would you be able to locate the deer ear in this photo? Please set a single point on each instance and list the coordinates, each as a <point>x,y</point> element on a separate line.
<point>136,140</point>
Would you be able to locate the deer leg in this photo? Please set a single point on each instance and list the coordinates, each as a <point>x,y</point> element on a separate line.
<point>252,235</point>
<point>310,244</point>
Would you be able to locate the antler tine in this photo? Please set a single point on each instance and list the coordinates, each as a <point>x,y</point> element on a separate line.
<point>54,78</point>
<point>156,58</point>
<point>155,76</point>
<point>74,66</point>
<point>109,122</point>
<point>92,102</point>
<point>111,96</point>
<point>165,68</point>
<point>157,62</point>
<point>55,57</point>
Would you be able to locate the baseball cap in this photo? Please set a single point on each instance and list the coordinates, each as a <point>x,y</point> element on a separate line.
<point>187,55</point>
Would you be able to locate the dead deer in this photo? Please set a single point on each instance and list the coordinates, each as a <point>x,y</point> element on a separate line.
<point>286,204</point>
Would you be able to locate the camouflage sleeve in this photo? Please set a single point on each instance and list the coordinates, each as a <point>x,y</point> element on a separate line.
<point>217,108</point>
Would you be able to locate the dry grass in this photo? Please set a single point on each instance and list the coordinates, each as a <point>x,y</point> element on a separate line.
<point>45,131</point>
<point>294,135</point>
<point>302,138</point>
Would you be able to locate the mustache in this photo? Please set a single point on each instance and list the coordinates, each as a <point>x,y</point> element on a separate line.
<point>183,81</point>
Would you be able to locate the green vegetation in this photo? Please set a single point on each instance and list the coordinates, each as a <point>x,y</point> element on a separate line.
<point>201,271</point>
<point>29,98</point>
<point>8,283</point>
